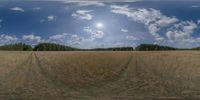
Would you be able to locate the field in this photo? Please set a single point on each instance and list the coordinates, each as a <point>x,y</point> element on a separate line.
<point>100,75</point>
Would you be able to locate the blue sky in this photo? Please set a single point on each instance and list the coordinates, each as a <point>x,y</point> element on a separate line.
<point>91,24</point>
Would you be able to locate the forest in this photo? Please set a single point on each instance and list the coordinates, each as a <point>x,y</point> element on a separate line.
<point>58,47</point>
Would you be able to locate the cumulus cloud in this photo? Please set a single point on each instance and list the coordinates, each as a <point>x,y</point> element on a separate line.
<point>83,14</point>
<point>175,32</point>
<point>119,44</point>
<point>198,21</point>
<point>76,40</point>
<point>100,0</point>
<point>96,3</point>
<point>7,39</point>
<point>181,31</point>
<point>58,37</point>
<point>32,39</point>
<point>124,30</point>
<point>51,18</point>
<point>94,33</point>
<point>130,37</point>
<point>65,38</point>
<point>86,3</point>
<point>153,19</point>
<point>17,9</point>
<point>165,21</point>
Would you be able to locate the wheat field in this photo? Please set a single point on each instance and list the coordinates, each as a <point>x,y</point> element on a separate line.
<point>99,75</point>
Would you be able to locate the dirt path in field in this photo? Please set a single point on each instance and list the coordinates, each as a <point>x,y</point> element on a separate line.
<point>34,80</point>
<point>30,80</point>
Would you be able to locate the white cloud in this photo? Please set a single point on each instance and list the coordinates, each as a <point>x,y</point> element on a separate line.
<point>121,9</point>
<point>51,18</point>
<point>94,33</point>
<point>124,30</point>
<point>65,38</point>
<point>96,3</point>
<point>198,21</point>
<point>17,9</point>
<point>181,31</point>
<point>118,44</point>
<point>7,39</point>
<point>175,32</point>
<point>130,37</point>
<point>83,14</point>
<point>100,0</point>
<point>86,3</point>
<point>76,40</point>
<point>153,19</point>
<point>31,38</point>
<point>165,21</point>
<point>58,37</point>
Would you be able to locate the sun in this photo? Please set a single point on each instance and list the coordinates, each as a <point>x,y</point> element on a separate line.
<point>99,25</point>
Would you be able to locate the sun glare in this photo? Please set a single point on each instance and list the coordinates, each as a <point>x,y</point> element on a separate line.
<point>99,25</point>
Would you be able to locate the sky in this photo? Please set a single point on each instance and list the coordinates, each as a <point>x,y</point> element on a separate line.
<point>97,24</point>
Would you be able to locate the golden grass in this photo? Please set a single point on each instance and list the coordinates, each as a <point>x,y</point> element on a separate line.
<point>10,60</point>
<point>106,75</point>
<point>85,68</point>
<point>162,73</point>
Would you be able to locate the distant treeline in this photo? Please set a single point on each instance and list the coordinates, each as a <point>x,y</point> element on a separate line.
<point>58,47</point>
<point>53,47</point>
<point>197,48</point>
<point>16,47</point>
<point>150,47</point>
<point>110,49</point>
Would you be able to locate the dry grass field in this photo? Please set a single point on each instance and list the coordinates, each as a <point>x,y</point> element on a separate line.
<point>100,75</point>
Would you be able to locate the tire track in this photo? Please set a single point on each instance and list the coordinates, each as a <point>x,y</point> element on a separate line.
<point>30,80</point>
<point>12,80</point>
<point>50,76</point>
<point>18,67</point>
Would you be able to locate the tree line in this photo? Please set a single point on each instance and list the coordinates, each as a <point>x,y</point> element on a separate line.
<point>58,47</point>
<point>16,47</point>
<point>53,47</point>
<point>151,47</point>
